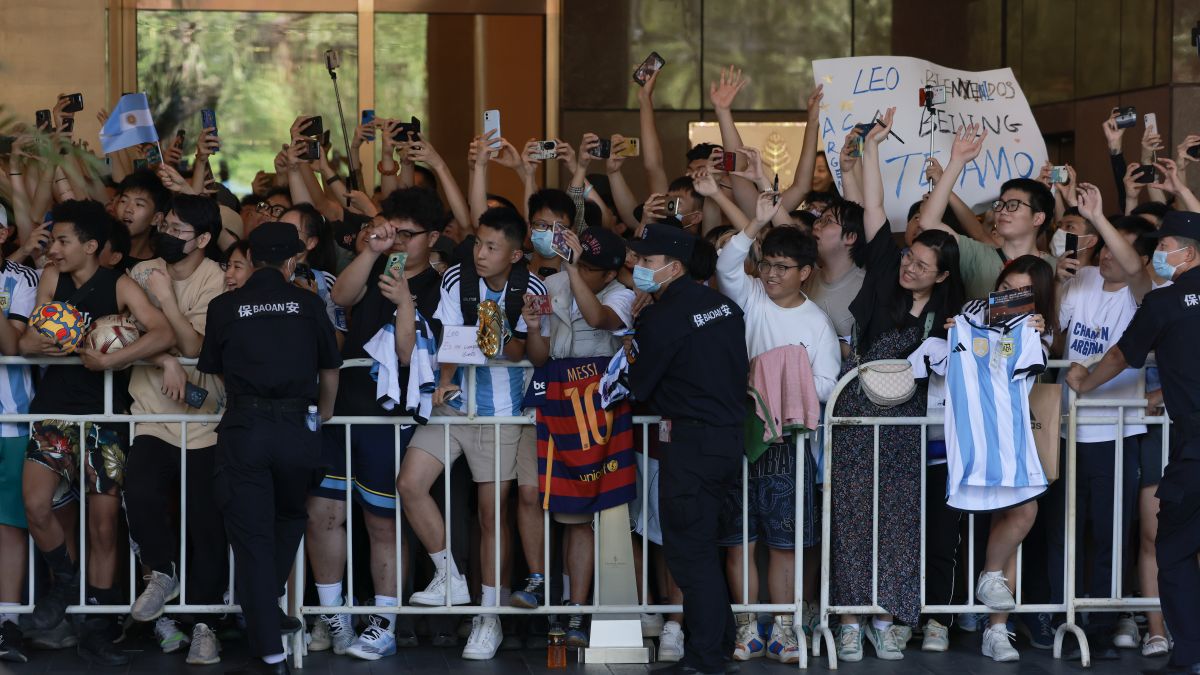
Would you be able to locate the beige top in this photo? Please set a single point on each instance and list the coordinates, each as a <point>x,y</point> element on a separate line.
<point>145,382</point>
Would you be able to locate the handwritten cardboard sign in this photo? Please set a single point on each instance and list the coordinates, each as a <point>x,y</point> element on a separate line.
<point>460,345</point>
<point>860,88</point>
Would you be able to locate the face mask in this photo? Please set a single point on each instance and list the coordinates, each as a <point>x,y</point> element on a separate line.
<point>541,242</point>
<point>1058,244</point>
<point>643,278</point>
<point>1161,267</point>
<point>170,249</point>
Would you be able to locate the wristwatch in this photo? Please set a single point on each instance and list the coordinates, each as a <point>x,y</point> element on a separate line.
<point>385,172</point>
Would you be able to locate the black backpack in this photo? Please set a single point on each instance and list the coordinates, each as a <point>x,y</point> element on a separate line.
<point>514,295</point>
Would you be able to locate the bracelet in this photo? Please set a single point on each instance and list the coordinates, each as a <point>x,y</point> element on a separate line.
<point>14,174</point>
<point>59,180</point>
<point>332,179</point>
<point>385,172</point>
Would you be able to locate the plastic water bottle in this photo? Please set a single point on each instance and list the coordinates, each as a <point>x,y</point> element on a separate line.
<point>313,419</point>
<point>556,652</point>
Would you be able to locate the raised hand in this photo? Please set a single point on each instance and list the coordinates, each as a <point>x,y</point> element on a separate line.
<point>704,183</point>
<point>1090,202</point>
<point>646,92</point>
<point>724,92</point>
<point>849,152</point>
<point>933,170</point>
<point>881,130</point>
<point>765,208</point>
<point>754,167</point>
<point>814,103</point>
<point>968,143</point>
<point>1152,142</point>
<point>208,144</point>
<point>1132,187</point>
<point>1170,171</point>
<point>1112,133</point>
<point>614,162</point>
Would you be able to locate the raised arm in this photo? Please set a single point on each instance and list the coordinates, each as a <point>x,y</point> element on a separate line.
<point>874,215</point>
<point>479,156</point>
<point>1091,207</point>
<point>707,187</point>
<point>722,94</point>
<point>423,151</point>
<point>802,181</point>
<point>652,156</point>
<point>623,197</point>
<point>968,143</point>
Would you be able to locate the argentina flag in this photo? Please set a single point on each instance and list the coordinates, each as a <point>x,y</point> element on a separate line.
<point>129,124</point>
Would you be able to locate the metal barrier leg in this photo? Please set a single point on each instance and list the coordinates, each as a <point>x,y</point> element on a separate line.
<point>1070,553</point>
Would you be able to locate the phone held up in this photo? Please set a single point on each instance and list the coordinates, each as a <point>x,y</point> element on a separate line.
<point>544,150</point>
<point>74,103</point>
<point>491,122</point>
<point>649,67</point>
<point>413,126</point>
<point>1059,175</point>
<point>1145,174</point>
<point>43,119</point>
<point>603,150</point>
<point>208,120</point>
<point>395,263</point>
<point>1126,117</point>
<point>559,245</point>
<point>632,148</point>
<point>368,123</point>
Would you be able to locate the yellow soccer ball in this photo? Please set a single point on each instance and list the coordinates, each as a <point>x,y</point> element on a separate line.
<point>62,322</point>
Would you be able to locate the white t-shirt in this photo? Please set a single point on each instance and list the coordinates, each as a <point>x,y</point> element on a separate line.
<point>18,294</point>
<point>1093,320</point>
<point>620,302</point>
<point>769,326</point>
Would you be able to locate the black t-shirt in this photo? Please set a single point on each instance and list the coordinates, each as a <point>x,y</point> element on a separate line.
<point>872,307</point>
<point>356,389</point>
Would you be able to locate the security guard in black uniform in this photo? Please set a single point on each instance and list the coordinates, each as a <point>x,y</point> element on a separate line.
<point>691,367</point>
<point>275,347</point>
<point>1168,323</point>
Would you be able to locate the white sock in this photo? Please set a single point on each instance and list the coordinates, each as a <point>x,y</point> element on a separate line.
<point>330,594</point>
<point>566,587</point>
<point>490,596</point>
<point>443,559</point>
<point>387,601</point>
<point>274,658</point>
<point>880,624</point>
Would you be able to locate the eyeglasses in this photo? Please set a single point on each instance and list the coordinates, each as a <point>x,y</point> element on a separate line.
<point>907,260</point>
<point>175,231</point>
<point>404,236</point>
<point>765,267</point>
<point>274,210</point>
<point>542,226</point>
<point>1010,205</point>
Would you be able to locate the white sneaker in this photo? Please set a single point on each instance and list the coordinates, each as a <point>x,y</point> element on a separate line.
<point>992,590</point>
<point>885,642</point>
<point>997,643</point>
<point>652,625</point>
<point>434,594</point>
<point>332,630</point>
<point>903,634</point>
<point>784,647</point>
<point>748,643</point>
<point>849,643</point>
<point>810,617</point>
<point>206,648</point>
<point>1125,635</point>
<point>937,637</point>
<point>485,639</point>
<point>170,638</point>
<point>1155,645</point>
<point>670,642</point>
<point>376,641</point>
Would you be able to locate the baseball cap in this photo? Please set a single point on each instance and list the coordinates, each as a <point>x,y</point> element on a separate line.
<point>602,249</point>
<point>1184,224</point>
<point>274,242</point>
<point>664,239</point>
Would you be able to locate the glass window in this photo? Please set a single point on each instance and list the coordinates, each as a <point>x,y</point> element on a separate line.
<point>401,75</point>
<point>257,70</point>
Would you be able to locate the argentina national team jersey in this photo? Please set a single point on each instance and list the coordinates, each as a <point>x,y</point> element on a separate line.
<point>18,294</point>
<point>991,455</point>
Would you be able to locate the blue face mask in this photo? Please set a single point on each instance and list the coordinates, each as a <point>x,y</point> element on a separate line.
<point>643,278</point>
<point>1161,267</point>
<point>541,242</point>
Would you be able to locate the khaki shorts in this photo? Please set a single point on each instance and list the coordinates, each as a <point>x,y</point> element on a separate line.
<point>476,441</point>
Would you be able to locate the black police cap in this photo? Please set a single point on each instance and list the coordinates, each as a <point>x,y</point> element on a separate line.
<point>664,239</point>
<point>1184,224</point>
<point>275,242</point>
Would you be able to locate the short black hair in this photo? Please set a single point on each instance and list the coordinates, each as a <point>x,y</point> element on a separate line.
<point>506,221</point>
<point>685,183</point>
<point>199,212</point>
<point>87,216</point>
<point>278,191</point>
<point>806,218</point>
<point>313,224</point>
<point>419,205</point>
<point>559,203</point>
<point>240,246</point>
<point>119,240</point>
<point>1041,200</point>
<point>147,181</point>
<point>1156,209</point>
<point>703,263</point>
<point>502,199</point>
<point>850,216</point>
<point>702,151</point>
<point>1138,226</point>
<point>948,217</point>
<point>790,242</point>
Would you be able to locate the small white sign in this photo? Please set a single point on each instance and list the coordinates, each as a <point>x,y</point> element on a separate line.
<point>460,345</point>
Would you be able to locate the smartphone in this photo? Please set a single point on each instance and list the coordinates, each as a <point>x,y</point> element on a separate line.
<point>368,121</point>
<point>545,150</point>
<point>74,103</point>
<point>43,119</point>
<point>1194,151</point>
<point>674,205</point>
<point>603,150</point>
<point>312,127</point>
<point>1059,175</point>
<point>331,59</point>
<point>312,150</point>
<point>1126,117</point>
<point>1072,245</point>
<point>68,124</point>
<point>193,395</point>
<point>491,120</point>
<point>650,66</point>
<point>930,96</point>
<point>6,144</point>
<point>539,304</point>
<point>413,126</point>
<point>395,263</point>
<point>633,148</point>
<point>1145,174</point>
<point>1151,123</point>
<point>729,161</point>
<point>304,271</point>
<point>153,154</point>
<point>559,244</point>
<point>179,136</point>
<point>325,139</point>
<point>208,120</point>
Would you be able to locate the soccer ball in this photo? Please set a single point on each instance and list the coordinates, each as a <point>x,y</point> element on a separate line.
<point>62,322</point>
<point>111,333</point>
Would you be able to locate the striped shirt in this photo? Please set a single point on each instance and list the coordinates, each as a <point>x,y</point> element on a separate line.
<point>18,294</point>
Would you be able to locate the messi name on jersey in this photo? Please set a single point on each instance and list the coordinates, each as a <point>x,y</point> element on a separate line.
<point>585,453</point>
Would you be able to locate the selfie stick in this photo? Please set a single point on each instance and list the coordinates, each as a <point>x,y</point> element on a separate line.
<point>932,120</point>
<point>331,63</point>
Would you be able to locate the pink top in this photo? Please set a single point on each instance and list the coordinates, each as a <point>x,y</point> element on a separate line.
<point>785,396</point>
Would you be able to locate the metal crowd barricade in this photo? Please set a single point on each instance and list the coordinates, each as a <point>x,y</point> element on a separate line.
<point>1071,604</point>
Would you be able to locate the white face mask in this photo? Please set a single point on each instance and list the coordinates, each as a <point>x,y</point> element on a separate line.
<point>1058,243</point>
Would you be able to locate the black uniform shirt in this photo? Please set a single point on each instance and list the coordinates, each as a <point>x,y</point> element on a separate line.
<point>692,362</point>
<point>269,339</point>
<point>1168,322</point>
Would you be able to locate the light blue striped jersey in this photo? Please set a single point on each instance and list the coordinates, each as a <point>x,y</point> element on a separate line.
<point>18,293</point>
<point>337,314</point>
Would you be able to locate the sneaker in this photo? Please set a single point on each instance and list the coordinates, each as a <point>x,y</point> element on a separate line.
<point>404,632</point>
<point>937,637</point>
<point>486,636</point>
<point>849,643</point>
<point>333,630</point>
<point>95,646</point>
<point>992,590</point>
<point>1039,628</point>
<point>205,649</point>
<point>810,617</point>
<point>903,634</point>
<point>997,643</point>
<point>376,640</point>
<point>1155,645</point>
<point>533,595</point>
<point>885,642</point>
<point>576,637</point>
<point>170,638</point>
<point>434,594</point>
<point>10,643</point>
<point>160,589</point>
<point>52,609</point>
<point>970,622</point>
<point>670,642</point>
<point>652,625</point>
<point>748,643</point>
<point>61,636</point>
<point>783,646</point>
<point>1125,635</point>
